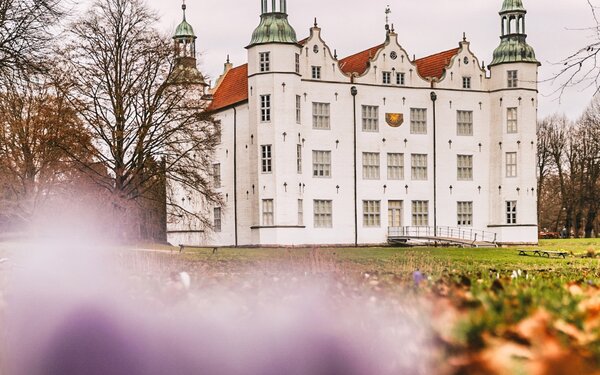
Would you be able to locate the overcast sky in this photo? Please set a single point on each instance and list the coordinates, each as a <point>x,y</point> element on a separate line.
<point>424,27</point>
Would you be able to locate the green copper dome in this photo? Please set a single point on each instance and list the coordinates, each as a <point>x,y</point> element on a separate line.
<point>513,50</point>
<point>274,28</point>
<point>512,6</point>
<point>184,30</point>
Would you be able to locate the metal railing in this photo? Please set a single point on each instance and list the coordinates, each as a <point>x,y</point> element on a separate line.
<point>464,234</point>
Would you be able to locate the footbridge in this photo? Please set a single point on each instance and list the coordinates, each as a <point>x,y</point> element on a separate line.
<point>441,236</point>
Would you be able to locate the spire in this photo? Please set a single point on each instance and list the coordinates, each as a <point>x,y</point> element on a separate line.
<point>183,7</point>
<point>388,11</point>
<point>513,46</point>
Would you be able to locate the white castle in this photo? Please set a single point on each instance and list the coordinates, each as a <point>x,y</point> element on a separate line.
<point>372,148</point>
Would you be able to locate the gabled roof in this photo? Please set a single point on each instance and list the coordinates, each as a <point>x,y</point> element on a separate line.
<point>232,90</point>
<point>359,62</point>
<point>433,66</point>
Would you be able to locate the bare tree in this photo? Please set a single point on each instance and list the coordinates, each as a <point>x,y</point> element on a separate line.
<point>26,33</point>
<point>145,128</point>
<point>37,124</point>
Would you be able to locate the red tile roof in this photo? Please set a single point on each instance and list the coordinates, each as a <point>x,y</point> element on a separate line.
<point>359,62</point>
<point>433,66</point>
<point>232,90</point>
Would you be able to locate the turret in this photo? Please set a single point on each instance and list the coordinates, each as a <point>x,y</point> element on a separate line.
<point>513,46</point>
<point>186,70</point>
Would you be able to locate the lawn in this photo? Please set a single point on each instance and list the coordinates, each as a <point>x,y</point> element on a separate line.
<point>484,311</point>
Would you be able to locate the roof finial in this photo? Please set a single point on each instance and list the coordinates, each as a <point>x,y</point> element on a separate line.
<point>316,24</point>
<point>387,18</point>
<point>227,58</point>
<point>464,37</point>
<point>183,7</point>
<point>335,54</point>
<point>393,29</point>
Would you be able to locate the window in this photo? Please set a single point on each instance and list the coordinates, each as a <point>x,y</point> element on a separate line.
<point>370,118</point>
<point>371,214</point>
<point>466,82</point>
<point>395,214</point>
<point>217,219</point>
<point>511,212</point>
<point>266,159</point>
<point>300,212</point>
<point>217,175</point>
<point>316,72</point>
<point>395,166</point>
<point>323,214</point>
<point>321,163</point>
<point>265,108</point>
<point>419,167</point>
<point>321,115</point>
<point>298,63</point>
<point>298,109</point>
<point>267,209</point>
<point>299,158</point>
<point>420,213</point>
<point>265,61</point>
<point>418,121</point>
<point>511,120</point>
<point>400,79</point>
<point>370,165</point>
<point>511,164</point>
<point>464,168</point>
<point>464,123</point>
<point>387,78</point>
<point>464,214</point>
<point>512,79</point>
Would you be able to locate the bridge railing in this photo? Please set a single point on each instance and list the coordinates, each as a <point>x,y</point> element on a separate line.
<point>465,234</point>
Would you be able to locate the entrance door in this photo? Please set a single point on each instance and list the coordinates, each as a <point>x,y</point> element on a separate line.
<point>395,214</point>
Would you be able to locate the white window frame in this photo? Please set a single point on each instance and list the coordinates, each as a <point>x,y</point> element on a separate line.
<point>418,121</point>
<point>298,109</point>
<point>512,121</point>
<point>300,212</point>
<point>387,78</point>
<point>512,79</point>
<point>266,157</point>
<point>299,158</point>
<point>511,164</point>
<point>316,72</point>
<point>321,116</point>
<point>511,212</point>
<point>217,219</point>
<point>401,79</point>
<point>321,164</point>
<point>217,175</point>
<point>466,83</point>
<point>323,213</point>
<point>371,165</point>
<point>464,123</point>
<point>297,63</point>
<point>395,166</point>
<point>371,214</point>
<point>464,167</point>
<point>420,213</point>
<point>265,108</point>
<point>464,214</point>
<point>419,167</point>
<point>268,212</point>
<point>265,62</point>
<point>370,118</point>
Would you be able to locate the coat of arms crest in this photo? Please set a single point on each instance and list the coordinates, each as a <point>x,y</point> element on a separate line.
<point>395,120</point>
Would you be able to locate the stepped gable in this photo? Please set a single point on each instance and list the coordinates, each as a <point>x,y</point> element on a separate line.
<point>434,66</point>
<point>232,90</point>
